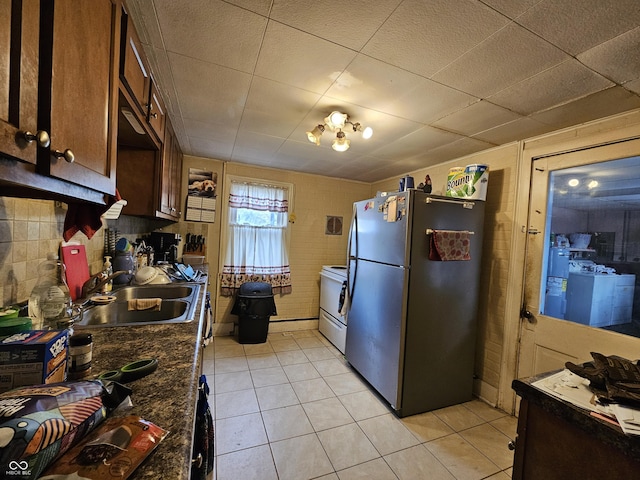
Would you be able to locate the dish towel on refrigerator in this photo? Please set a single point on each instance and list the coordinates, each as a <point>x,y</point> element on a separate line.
<point>447,245</point>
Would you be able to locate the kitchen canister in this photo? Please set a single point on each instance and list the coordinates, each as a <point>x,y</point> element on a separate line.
<point>469,182</point>
<point>81,352</point>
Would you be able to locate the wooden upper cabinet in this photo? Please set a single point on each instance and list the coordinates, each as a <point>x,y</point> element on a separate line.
<point>171,175</point>
<point>19,25</point>
<point>157,113</point>
<point>78,82</point>
<point>134,68</point>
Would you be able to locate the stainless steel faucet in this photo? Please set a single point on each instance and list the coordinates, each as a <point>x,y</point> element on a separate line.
<point>97,281</point>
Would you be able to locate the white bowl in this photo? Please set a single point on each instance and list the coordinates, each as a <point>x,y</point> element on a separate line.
<point>580,240</point>
<point>145,275</point>
<point>160,279</point>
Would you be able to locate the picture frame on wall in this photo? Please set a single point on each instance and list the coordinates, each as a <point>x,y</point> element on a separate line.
<point>201,196</point>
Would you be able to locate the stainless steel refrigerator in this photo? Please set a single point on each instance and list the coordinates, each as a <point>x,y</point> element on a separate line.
<point>412,320</point>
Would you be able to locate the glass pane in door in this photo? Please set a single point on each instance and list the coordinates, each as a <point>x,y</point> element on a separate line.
<point>591,271</point>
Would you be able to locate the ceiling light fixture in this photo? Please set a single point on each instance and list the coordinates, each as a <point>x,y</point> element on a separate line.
<point>337,121</point>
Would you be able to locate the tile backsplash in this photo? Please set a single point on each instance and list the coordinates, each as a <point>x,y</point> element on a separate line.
<point>29,229</point>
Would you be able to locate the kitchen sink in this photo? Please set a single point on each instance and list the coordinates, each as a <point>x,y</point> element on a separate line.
<point>178,306</point>
<point>165,292</point>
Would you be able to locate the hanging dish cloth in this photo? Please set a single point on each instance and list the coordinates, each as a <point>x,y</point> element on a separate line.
<point>447,245</point>
<point>148,304</point>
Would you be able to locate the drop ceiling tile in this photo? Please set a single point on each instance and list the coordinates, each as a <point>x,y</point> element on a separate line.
<point>476,118</point>
<point>251,147</point>
<point>513,131</point>
<point>508,57</point>
<point>559,84</point>
<point>424,37</point>
<point>209,30</point>
<point>261,7</point>
<point>415,143</point>
<point>633,86</point>
<point>221,92</point>
<point>275,109</point>
<point>310,62</point>
<point>577,26</point>
<point>223,134</point>
<point>383,87</point>
<point>349,24</point>
<point>598,105</point>
<point>207,148</point>
<point>460,148</point>
<point>612,58</point>
<point>511,8</point>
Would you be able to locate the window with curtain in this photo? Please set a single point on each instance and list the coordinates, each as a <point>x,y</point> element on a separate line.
<point>256,249</point>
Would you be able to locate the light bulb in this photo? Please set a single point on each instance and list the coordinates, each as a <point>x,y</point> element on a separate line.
<point>341,144</point>
<point>367,133</point>
<point>336,120</point>
<point>315,134</point>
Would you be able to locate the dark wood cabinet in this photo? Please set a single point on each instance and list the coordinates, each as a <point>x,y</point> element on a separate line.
<point>135,73</point>
<point>149,179</point>
<point>77,93</point>
<point>558,441</point>
<point>19,33</point>
<point>171,175</point>
<point>61,58</point>
<point>157,115</point>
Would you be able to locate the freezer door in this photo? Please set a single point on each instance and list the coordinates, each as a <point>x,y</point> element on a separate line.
<point>375,333</point>
<point>379,229</point>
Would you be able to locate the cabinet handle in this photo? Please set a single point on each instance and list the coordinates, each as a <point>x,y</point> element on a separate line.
<point>197,462</point>
<point>511,445</point>
<point>67,155</point>
<point>153,115</point>
<point>41,137</point>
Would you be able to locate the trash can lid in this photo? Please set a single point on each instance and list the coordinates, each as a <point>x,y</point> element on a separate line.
<point>255,289</point>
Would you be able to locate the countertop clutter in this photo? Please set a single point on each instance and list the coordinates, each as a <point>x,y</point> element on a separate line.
<point>168,396</point>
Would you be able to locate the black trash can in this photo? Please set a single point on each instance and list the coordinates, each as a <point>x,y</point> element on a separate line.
<point>254,306</point>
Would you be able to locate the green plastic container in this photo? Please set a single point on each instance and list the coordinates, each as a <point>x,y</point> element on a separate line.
<point>9,326</point>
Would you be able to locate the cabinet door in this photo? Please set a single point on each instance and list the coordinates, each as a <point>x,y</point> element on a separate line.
<point>78,91</point>
<point>157,115</point>
<point>171,174</point>
<point>176,178</point>
<point>134,68</point>
<point>19,23</point>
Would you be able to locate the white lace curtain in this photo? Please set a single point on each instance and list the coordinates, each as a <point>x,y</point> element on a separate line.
<point>256,249</point>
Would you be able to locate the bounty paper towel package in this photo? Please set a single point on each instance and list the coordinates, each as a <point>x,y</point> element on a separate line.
<point>469,182</point>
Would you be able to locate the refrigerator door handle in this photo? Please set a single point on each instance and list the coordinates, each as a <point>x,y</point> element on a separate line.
<point>354,228</point>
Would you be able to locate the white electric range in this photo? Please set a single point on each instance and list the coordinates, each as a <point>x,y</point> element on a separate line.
<point>332,324</point>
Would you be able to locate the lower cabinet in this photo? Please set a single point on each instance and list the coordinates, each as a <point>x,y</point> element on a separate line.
<point>558,441</point>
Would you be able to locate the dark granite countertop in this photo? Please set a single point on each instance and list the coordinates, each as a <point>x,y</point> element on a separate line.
<point>168,396</point>
<point>593,426</point>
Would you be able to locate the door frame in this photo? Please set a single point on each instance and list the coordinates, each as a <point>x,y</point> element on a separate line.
<point>601,133</point>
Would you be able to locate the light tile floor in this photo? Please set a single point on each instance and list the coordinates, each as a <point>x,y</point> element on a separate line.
<point>293,409</point>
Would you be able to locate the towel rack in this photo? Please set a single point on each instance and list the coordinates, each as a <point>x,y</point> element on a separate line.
<point>468,205</point>
<point>431,231</point>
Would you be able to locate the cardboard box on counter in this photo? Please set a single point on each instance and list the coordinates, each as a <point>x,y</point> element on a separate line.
<point>33,358</point>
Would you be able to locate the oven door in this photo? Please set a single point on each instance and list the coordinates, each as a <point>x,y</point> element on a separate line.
<point>333,329</point>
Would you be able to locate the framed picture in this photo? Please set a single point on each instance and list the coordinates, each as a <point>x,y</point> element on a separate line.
<point>201,198</point>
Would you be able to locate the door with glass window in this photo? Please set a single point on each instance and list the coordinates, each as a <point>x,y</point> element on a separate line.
<point>582,280</point>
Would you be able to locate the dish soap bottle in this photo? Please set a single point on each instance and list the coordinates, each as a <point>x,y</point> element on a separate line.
<point>107,269</point>
<point>50,299</point>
